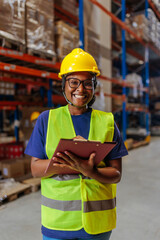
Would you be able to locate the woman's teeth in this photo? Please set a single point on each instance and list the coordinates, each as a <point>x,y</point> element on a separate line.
<point>79,96</point>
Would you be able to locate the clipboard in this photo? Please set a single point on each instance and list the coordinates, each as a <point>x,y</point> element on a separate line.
<point>83,149</point>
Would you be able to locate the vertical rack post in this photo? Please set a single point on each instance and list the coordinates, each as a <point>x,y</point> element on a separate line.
<point>42,93</point>
<point>50,94</point>
<point>123,15</point>
<point>81,25</point>
<point>147,73</point>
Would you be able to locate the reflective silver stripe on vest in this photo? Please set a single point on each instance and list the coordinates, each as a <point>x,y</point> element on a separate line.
<point>100,205</point>
<point>74,205</point>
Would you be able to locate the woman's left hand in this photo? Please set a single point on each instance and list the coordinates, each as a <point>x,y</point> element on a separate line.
<point>86,167</point>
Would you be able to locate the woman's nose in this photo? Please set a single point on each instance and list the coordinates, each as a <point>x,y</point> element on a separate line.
<point>81,87</point>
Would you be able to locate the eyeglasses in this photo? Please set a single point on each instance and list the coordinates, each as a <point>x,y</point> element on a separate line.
<point>75,83</point>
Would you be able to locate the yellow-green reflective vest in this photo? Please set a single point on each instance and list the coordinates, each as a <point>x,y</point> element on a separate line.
<point>72,202</point>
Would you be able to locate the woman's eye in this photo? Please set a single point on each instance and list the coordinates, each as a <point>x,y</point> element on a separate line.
<point>88,83</point>
<point>74,82</point>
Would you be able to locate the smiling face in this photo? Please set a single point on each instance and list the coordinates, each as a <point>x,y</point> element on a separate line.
<point>79,96</point>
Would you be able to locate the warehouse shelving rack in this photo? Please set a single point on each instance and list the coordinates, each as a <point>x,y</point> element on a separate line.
<point>13,62</point>
<point>145,58</point>
<point>45,76</point>
<point>52,68</point>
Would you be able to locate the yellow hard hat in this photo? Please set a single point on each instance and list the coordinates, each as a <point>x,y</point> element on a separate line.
<point>34,116</point>
<point>78,61</point>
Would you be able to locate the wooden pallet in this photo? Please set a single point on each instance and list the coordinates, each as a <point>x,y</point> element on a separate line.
<point>40,54</point>
<point>14,192</point>
<point>140,143</point>
<point>12,44</point>
<point>34,183</point>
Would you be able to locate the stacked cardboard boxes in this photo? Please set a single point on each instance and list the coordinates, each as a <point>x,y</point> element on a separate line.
<point>6,90</point>
<point>147,29</point>
<point>12,19</point>
<point>138,24</point>
<point>154,86</point>
<point>152,26</point>
<point>12,169</point>
<point>92,44</point>
<point>66,37</point>
<point>40,27</point>
<point>15,168</point>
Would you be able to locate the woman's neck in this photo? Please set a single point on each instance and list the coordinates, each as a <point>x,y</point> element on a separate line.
<point>77,111</point>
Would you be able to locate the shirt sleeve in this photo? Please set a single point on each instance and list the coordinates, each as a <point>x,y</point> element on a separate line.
<point>119,150</point>
<point>37,141</point>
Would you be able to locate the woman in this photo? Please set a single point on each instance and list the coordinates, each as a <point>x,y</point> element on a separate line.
<point>77,206</point>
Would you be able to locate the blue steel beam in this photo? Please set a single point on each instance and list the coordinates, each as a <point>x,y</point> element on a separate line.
<point>81,24</point>
<point>147,73</point>
<point>124,124</point>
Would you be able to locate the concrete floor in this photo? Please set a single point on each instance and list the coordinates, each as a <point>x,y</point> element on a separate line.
<point>138,202</point>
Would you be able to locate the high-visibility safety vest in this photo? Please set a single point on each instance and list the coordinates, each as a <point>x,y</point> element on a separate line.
<point>72,202</point>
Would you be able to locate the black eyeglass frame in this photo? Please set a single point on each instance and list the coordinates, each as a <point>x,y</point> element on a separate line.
<point>83,82</point>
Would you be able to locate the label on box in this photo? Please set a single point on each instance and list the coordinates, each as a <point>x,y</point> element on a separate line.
<point>5,171</point>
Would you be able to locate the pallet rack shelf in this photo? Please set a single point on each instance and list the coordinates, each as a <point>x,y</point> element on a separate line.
<point>26,59</point>
<point>123,84</point>
<point>65,15</point>
<point>19,64</point>
<point>11,68</point>
<point>125,50</point>
<point>54,67</point>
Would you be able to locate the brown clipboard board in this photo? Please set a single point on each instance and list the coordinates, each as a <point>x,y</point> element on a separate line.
<point>82,149</point>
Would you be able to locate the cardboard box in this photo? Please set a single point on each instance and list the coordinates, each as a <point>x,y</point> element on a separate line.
<point>157,106</point>
<point>92,44</point>
<point>66,39</point>
<point>12,21</point>
<point>40,28</point>
<point>12,169</point>
<point>138,24</point>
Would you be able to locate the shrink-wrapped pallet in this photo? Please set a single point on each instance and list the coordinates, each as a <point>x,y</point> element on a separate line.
<point>12,21</point>
<point>152,26</point>
<point>40,27</point>
<point>66,37</point>
<point>138,24</point>
<point>92,44</point>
